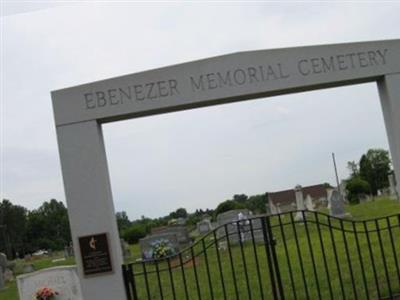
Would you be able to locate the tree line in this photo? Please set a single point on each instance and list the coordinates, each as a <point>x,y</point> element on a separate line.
<point>369,175</point>
<point>23,231</point>
<point>132,231</point>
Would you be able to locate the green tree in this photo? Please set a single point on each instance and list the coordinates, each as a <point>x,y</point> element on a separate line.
<point>242,198</point>
<point>122,221</point>
<point>133,233</point>
<point>228,205</point>
<point>357,187</point>
<point>257,203</point>
<point>13,221</point>
<point>48,226</point>
<point>179,213</point>
<point>353,168</point>
<point>374,167</point>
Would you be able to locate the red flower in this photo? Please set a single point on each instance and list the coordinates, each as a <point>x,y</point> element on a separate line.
<point>45,293</point>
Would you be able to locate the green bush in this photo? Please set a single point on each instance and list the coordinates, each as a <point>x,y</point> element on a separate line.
<point>357,187</point>
<point>228,205</point>
<point>134,232</point>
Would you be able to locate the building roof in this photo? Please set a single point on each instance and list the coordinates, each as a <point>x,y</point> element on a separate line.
<point>288,197</point>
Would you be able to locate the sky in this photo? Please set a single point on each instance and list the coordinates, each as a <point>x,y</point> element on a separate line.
<point>195,158</point>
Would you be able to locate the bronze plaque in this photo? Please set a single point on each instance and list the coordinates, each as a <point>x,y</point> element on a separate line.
<point>95,254</point>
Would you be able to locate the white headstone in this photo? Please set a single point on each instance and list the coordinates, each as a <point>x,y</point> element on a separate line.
<point>63,280</point>
<point>299,202</point>
<point>392,186</point>
<point>309,203</point>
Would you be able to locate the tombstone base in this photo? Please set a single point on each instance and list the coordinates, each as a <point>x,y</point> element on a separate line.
<point>299,216</point>
<point>343,216</point>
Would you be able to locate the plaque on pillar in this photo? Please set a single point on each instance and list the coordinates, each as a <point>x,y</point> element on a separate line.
<point>95,253</point>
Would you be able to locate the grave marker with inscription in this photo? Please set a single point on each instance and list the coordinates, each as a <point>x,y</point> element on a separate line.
<point>204,226</point>
<point>95,254</point>
<point>147,243</point>
<point>337,205</point>
<point>64,280</point>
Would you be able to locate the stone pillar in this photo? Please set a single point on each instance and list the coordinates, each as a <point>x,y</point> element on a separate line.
<point>299,201</point>
<point>90,203</point>
<point>389,92</point>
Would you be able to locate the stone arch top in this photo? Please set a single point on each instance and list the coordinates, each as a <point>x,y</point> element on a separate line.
<point>227,78</point>
<point>79,112</point>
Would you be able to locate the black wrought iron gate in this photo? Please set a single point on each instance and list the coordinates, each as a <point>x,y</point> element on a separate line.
<point>294,255</point>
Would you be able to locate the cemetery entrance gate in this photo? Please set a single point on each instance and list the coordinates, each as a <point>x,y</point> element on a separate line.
<point>80,112</point>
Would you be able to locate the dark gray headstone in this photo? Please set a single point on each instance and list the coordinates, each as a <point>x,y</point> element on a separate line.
<point>2,284</point>
<point>238,230</point>
<point>337,205</point>
<point>3,261</point>
<point>204,226</point>
<point>146,244</point>
<point>28,268</point>
<point>180,231</point>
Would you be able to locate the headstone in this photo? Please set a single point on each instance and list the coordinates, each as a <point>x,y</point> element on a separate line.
<point>180,231</point>
<point>309,203</point>
<point>337,205</point>
<point>268,208</point>
<point>63,280</point>
<point>3,266</point>
<point>66,254</point>
<point>238,231</point>
<point>125,249</point>
<point>204,226</point>
<point>329,195</point>
<point>343,190</point>
<point>28,268</point>
<point>273,209</point>
<point>68,250</point>
<point>11,265</point>
<point>71,250</point>
<point>180,221</point>
<point>147,243</point>
<point>299,202</point>
<point>3,261</point>
<point>392,186</point>
<point>8,275</point>
<point>28,257</point>
<point>2,281</point>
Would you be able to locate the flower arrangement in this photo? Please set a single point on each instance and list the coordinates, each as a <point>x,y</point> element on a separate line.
<point>162,248</point>
<point>45,293</point>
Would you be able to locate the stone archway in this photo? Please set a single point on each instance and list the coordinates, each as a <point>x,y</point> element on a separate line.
<point>79,112</point>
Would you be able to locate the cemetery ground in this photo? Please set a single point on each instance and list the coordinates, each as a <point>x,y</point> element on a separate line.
<point>378,208</point>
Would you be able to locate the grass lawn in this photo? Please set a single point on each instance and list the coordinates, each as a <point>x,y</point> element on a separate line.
<point>253,275</point>
<point>251,267</point>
